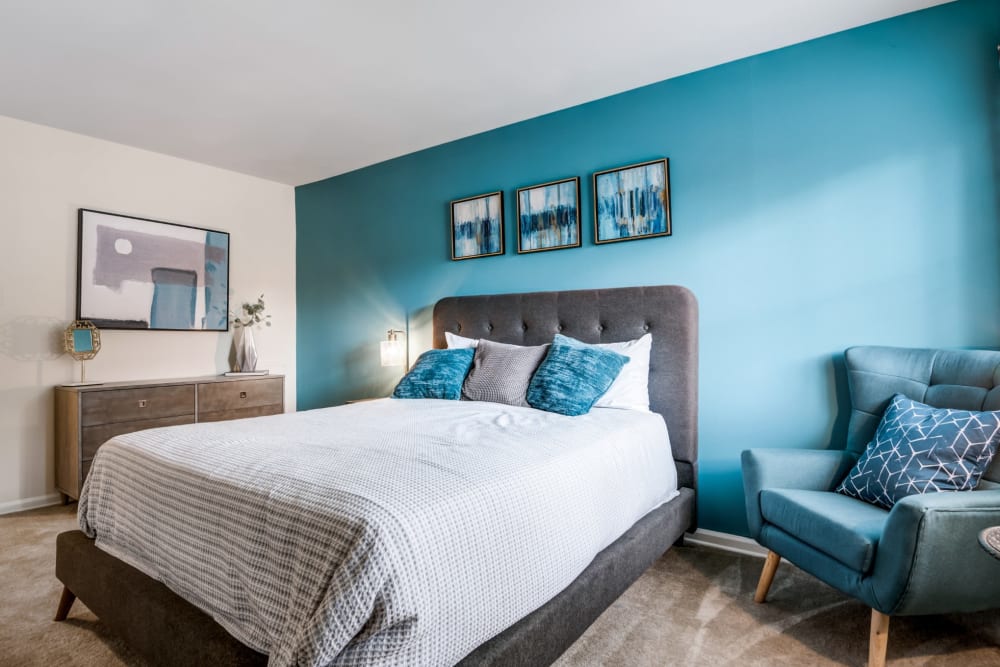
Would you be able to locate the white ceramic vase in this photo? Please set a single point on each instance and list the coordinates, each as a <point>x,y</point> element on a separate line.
<point>246,349</point>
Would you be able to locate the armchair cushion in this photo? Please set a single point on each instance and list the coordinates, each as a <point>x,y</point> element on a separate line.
<point>846,529</point>
<point>921,449</point>
<point>812,469</point>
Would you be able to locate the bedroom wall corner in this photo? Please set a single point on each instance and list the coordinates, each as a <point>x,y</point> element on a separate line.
<point>45,176</point>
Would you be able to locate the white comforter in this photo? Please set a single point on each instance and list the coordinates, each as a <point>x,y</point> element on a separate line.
<point>391,532</point>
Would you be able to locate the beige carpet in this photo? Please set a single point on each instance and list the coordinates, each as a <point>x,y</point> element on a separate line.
<point>693,607</point>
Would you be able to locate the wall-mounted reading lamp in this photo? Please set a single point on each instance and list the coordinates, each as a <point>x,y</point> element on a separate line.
<point>393,350</point>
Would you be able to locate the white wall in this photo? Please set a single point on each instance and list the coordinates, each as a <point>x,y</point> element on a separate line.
<point>45,176</point>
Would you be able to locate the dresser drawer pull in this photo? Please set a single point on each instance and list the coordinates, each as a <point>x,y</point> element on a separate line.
<point>142,403</point>
<point>243,394</point>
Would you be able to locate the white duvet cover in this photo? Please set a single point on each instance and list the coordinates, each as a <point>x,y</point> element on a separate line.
<point>390,532</point>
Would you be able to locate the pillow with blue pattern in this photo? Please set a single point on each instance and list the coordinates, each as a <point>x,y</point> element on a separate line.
<point>573,376</point>
<point>921,449</point>
<point>437,374</point>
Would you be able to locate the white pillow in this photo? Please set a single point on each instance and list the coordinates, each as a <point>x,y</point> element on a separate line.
<point>456,342</point>
<point>630,390</point>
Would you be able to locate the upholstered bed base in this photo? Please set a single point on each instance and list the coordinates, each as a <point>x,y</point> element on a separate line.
<point>167,630</point>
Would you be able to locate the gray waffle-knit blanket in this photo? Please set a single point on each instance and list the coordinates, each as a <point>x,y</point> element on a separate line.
<point>391,532</point>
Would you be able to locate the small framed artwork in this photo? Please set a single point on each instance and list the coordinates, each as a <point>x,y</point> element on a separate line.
<point>477,226</point>
<point>632,202</point>
<point>548,216</point>
<point>134,273</point>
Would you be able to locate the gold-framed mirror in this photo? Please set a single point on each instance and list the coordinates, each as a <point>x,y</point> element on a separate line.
<point>82,341</point>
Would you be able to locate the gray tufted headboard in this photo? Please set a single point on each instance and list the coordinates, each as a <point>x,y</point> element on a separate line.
<point>668,312</point>
<point>956,379</point>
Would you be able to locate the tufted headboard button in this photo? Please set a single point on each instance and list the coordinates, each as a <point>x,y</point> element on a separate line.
<point>524,326</point>
<point>645,327</point>
<point>489,327</point>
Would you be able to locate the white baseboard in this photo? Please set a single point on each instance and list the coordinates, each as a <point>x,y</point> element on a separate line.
<point>23,504</point>
<point>726,542</point>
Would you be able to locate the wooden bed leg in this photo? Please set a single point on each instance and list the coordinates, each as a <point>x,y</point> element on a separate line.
<point>766,576</point>
<point>878,642</point>
<point>65,602</point>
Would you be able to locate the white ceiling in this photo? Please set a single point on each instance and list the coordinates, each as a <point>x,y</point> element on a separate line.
<point>301,90</point>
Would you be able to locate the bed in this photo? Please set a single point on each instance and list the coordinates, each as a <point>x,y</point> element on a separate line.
<point>168,629</point>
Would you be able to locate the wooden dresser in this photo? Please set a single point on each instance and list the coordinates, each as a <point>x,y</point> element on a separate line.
<point>86,417</point>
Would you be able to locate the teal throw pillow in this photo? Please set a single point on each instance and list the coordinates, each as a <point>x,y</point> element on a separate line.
<point>921,449</point>
<point>573,376</point>
<point>437,374</point>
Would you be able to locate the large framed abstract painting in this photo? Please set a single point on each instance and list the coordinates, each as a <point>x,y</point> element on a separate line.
<point>134,273</point>
<point>632,202</point>
<point>548,216</point>
<point>477,226</point>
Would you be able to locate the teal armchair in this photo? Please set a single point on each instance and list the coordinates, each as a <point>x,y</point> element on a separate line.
<point>920,557</point>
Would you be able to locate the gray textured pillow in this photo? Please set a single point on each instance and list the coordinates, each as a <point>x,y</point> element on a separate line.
<point>501,373</point>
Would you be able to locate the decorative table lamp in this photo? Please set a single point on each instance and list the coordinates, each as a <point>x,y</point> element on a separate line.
<point>82,341</point>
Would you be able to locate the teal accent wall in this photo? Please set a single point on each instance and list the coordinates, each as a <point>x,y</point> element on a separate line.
<point>838,192</point>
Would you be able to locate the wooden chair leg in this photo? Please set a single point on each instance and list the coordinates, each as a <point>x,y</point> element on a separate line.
<point>879,640</point>
<point>767,576</point>
<point>65,602</point>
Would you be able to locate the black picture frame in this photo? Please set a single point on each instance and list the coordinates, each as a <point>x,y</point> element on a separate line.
<point>621,212</point>
<point>477,226</point>
<point>558,218</point>
<point>143,250</point>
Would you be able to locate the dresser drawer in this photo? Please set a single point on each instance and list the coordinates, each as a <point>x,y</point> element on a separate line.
<point>95,436</point>
<point>239,395</point>
<point>122,405</point>
<point>244,413</point>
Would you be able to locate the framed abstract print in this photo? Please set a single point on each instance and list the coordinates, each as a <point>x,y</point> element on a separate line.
<point>477,226</point>
<point>632,202</point>
<point>135,273</point>
<point>548,216</point>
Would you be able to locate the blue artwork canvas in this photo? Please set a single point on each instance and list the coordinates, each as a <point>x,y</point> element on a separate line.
<point>135,273</point>
<point>632,202</point>
<point>548,216</point>
<point>477,226</point>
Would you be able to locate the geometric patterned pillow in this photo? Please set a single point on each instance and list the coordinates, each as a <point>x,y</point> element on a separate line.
<point>920,449</point>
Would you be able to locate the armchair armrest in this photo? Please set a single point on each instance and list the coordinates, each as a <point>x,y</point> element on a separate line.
<point>929,560</point>
<point>811,469</point>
